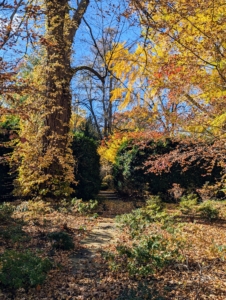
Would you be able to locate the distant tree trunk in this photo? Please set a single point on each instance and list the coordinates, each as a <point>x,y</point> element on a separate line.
<point>110,108</point>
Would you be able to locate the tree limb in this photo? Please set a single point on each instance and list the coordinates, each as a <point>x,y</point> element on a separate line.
<point>81,68</point>
<point>77,18</point>
<point>193,102</point>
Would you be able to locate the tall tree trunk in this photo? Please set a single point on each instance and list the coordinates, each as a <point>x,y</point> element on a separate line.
<point>59,74</point>
<point>61,29</point>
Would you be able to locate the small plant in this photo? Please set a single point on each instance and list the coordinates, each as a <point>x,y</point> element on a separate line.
<point>65,206</point>
<point>14,233</point>
<point>22,207</point>
<point>108,179</point>
<point>22,269</point>
<point>95,216</point>
<point>6,211</point>
<point>135,222</point>
<point>154,204</point>
<point>208,211</point>
<point>39,207</point>
<point>155,209</point>
<point>34,207</point>
<point>138,220</point>
<point>147,255</point>
<point>85,207</point>
<point>61,240</point>
<point>82,228</point>
<point>188,204</point>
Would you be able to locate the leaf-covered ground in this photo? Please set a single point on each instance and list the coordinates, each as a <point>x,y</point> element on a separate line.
<point>83,273</point>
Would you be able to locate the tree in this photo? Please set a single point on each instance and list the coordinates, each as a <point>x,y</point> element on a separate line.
<point>93,94</point>
<point>191,62</point>
<point>44,157</point>
<point>141,86</point>
<point>60,31</point>
<point>178,72</point>
<point>11,24</point>
<point>43,154</point>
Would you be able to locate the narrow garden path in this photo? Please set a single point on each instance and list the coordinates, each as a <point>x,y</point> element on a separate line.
<point>88,267</point>
<point>104,233</point>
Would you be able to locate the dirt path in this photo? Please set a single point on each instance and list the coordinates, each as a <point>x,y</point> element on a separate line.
<point>103,234</point>
<point>91,273</point>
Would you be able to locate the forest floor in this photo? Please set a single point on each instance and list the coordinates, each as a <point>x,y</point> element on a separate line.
<point>83,273</point>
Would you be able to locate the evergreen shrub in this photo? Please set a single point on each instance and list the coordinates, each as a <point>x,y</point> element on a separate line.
<point>208,211</point>
<point>22,269</point>
<point>61,240</point>
<point>133,177</point>
<point>87,168</point>
<point>6,179</point>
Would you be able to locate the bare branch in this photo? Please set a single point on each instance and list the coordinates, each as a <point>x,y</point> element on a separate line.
<point>201,108</point>
<point>81,68</point>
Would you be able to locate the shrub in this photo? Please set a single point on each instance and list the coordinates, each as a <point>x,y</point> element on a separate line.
<point>136,171</point>
<point>104,186</point>
<point>208,211</point>
<point>14,233</point>
<point>61,240</point>
<point>147,255</point>
<point>22,269</point>
<point>87,169</point>
<point>188,204</point>
<point>140,218</point>
<point>6,179</point>
<point>108,179</point>
<point>84,207</point>
<point>6,211</point>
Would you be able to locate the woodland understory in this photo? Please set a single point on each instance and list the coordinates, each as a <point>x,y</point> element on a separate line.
<point>196,272</point>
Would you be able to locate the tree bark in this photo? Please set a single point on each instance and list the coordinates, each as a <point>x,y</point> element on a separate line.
<point>61,29</point>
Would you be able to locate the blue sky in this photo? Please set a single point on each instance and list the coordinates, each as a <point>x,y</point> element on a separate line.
<point>99,15</point>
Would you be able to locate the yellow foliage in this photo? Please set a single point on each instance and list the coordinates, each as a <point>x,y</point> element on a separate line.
<point>30,156</point>
<point>108,149</point>
<point>184,54</point>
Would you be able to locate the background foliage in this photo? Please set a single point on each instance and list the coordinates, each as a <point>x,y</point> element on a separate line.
<point>87,166</point>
